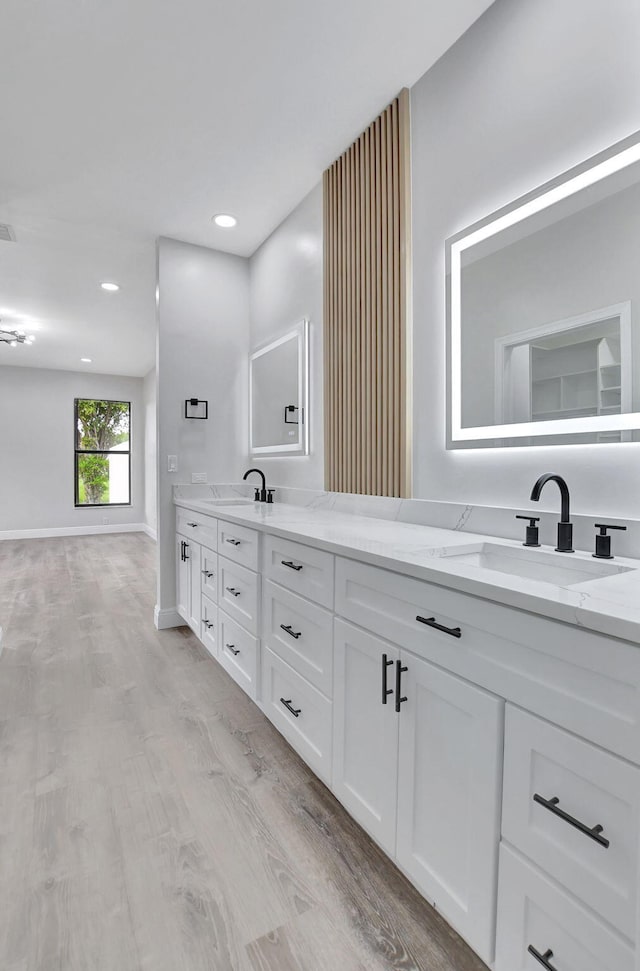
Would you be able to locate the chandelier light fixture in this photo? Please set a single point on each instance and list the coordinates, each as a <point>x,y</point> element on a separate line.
<point>14,337</point>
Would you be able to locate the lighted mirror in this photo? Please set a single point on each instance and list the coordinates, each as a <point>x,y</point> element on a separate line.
<point>543,313</point>
<point>279,406</point>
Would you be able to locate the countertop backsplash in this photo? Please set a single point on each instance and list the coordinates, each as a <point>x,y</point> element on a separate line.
<point>488,520</point>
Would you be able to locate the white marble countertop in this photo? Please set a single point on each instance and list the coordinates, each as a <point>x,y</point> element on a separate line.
<point>609,605</point>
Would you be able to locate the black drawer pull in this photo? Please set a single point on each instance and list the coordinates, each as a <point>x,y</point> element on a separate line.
<point>193,525</point>
<point>182,550</point>
<point>233,591</point>
<point>593,832</point>
<point>233,542</point>
<point>400,668</point>
<point>206,573</point>
<point>289,629</point>
<point>185,547</point>
<point>542,958</point>
<point>291,565</point>
<point>385,691</point>
<point>207,624</point>
<point>287,703</point>
<point>431,622</point>
<point>232,648</point>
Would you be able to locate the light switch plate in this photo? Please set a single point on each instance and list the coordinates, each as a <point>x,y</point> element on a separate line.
<point>172,463</point>
<point>198,477</point>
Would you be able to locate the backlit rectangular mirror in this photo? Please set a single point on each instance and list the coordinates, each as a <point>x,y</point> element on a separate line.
<point>278,389</point>
<point>543,313</point>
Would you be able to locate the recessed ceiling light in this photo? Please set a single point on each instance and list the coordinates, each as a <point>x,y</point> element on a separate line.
<point>110,286</point>
<point>224,220</point>
<point>86,360</point>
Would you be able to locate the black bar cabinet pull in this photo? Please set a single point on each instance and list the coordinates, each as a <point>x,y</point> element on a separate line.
<point>207,624</point>
<point>385,691</point>
<point>233,591</point>
<point>182,549</point>
<point>206,573</point>
<point>233,542</point>
<point>289,629</point>
<point>186,547</point>
<point>431,622</point>
<point>291,565</point>
<point>287,703</point>
<point>400,669</point>
<point>543,958</point>
<point>233,648</point>
<point>593,832</point>
<point>193,525</point>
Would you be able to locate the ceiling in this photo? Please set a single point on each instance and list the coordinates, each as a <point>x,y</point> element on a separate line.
<point>125,121</point>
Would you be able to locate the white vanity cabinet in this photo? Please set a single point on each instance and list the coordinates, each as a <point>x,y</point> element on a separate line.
<point>421,771</point>
<point>494,754</point>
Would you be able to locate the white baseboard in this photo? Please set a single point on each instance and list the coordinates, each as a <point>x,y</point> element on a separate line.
<point>72,531</point>
<point>152,533</point>
<point>163,619</point>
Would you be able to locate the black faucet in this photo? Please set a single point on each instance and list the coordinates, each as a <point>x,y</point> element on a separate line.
<point>565,527</point>
<point>261,494</point>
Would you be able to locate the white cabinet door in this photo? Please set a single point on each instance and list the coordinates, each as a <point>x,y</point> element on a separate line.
<point>183,579</point>
<point>195,608</point>
<point>365,731</point>
<point>449,775</point>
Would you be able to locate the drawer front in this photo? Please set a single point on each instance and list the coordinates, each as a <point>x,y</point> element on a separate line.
<point>238,543</point>
<point>299,632</point>
<point>202,529</point>
<point>209,626</point>
<point>238,593</point>
<point>304,570</point>
<point>584,681</point>
<point>238,653</point>
<point>308,731</point>
<point>594,789</point>
<point>534,912</point>
<point>209,573</point>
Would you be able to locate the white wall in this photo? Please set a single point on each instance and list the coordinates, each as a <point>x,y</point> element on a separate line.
<point>529,91</point>
<point>150,450</point>
<point>37,447</point>
<point>286,285</point>
<point>203,349</point>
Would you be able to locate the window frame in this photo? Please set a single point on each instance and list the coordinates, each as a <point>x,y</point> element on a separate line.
<point>88,451</point>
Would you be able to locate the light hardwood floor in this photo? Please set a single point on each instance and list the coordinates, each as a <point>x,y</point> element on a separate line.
<point>151,819</point>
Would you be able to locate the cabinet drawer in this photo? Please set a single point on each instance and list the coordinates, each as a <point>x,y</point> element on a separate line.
<point>209,628</point>
<point>238,543</point>
<point>238,593</point>
<point>304,570</point>
<point>586,682</point>
<point>301,633</point>
<point>238,653</point>
<point>308,731</point>
<point>202,529</point>
<point>535,912</point>
<point>594,789</point>
<point>209,573</point>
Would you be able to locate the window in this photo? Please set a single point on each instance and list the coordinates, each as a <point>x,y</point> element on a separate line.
<point>102,452</point>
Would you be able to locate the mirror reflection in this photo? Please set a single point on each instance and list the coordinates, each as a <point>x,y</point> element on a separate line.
<point>278,389</point>
<point>547,319</point>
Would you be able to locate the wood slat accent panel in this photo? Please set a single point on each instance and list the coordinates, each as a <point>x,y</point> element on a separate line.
<point>367,310</point>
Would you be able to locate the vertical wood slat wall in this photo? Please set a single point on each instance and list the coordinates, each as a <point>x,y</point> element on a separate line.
<point>367,312</point>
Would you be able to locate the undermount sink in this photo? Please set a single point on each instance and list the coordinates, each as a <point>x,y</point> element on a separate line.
<point>229,502</point>
<point>561,569</point>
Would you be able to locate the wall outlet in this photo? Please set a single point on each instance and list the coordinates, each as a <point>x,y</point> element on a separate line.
<point>172,463</point>
<point>198,477</point>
